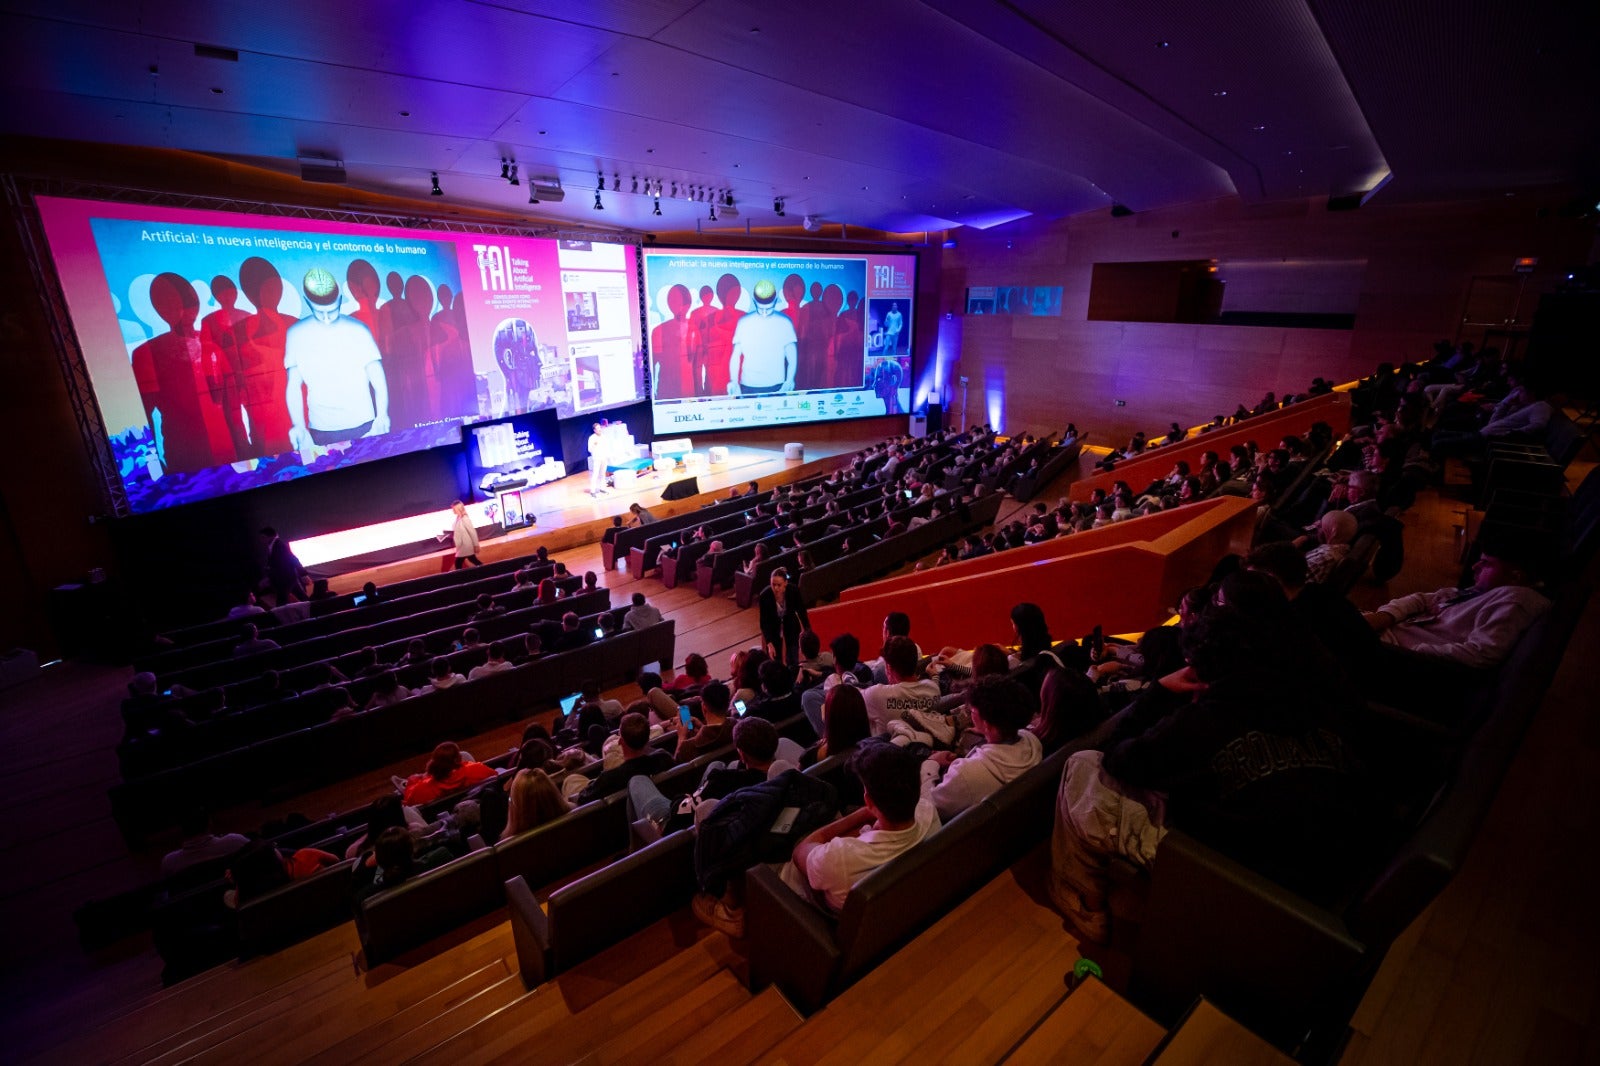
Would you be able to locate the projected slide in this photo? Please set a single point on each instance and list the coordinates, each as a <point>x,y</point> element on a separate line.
<point>739,339</point>
<point>228,351</point>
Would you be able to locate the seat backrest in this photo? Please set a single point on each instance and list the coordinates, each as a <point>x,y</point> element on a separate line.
<point>428,905</point>
<point>562,847</point>
<point>618,900</point>
<point>297,910</point>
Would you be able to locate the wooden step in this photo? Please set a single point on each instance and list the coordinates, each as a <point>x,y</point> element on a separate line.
<point>622,984</point>
<point>643,1032</point>
<point>1094,1027</point>
<point>426,1023</point>
<point>967,990</point>
<point>1207,1035</point>
<point>757,1024</point>
<point>195,1002</point>
<point>309,1018</point>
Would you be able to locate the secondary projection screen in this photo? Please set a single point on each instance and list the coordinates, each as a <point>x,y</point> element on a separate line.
<point>230,350</point>
<point>741,339</point>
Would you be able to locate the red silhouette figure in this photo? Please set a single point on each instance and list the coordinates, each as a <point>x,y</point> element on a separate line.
<point>815,330</point>
<point>458,385</point>
<point>672,347</point>
<point>794,296</point>
<point>402,355</point>
<point>700,334</point>
<point>219,354</point>
<point>260,341</point>
<point>719,349</point>
<point>169,370</point>
<point>361,281</point>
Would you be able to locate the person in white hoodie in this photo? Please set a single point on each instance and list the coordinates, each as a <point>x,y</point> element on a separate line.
<point>1000,707</point>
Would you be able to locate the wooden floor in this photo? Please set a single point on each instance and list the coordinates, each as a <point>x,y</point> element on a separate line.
<point>1501,969</point>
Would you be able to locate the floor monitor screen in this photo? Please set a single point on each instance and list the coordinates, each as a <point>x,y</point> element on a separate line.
<point>229,350</point>
<point>742,339</point>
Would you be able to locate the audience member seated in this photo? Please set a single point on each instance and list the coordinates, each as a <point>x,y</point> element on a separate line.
<point>386,813</point>
<point>248,607</point>
<point>1000,708</point>
<point>487,608</point>
<point>145,709</point>
<point>259,867</point>
<point>1069,707</point>
<point>470,638</point>
<point>894,818</point>
<point>495,664</point>
<point>778,700</point>
<point>200,844</point>
<point>815,664</point>
<point>847,670</point>
<point>1126,670</point>
<point>574,634</point>
<point>904,690</point>
<point>1476,626</point>
<point>370,591</point>
<point>448,771</point>
<point>534,800</point>
<point>386,690</point>
<point>711,730</point>
<point>638,757</point>
<point>1239,748</point>
<point>320,591</point>
<point>844,725</point>
<point>253,642</point>
<point>440,676</point>
<point>417,655</point>
<point>1335,531</point>
<point>696,675</point>
<point>755,741</point>
<point>895,624</point>
<point>641,615</point>
<point>532,646</point>
<point>393,861</point>
<point>548,593</point>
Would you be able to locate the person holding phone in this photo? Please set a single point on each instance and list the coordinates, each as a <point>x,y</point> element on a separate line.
<point>783,618</point>
<point>712,731</point>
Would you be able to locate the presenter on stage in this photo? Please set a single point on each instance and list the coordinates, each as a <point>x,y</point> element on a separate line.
<point>764,348</point>
<point>466,537</point>
<point>337,390</point>
<point>597,461</point>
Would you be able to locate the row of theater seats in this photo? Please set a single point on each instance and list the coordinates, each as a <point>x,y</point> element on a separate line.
<point>332,750</point>
<point>194,929</point>
<point>212,732</point>
<point>215,640</point>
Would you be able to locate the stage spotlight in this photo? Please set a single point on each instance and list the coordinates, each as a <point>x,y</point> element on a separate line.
<point>514,179</point>
<point>533,194</point>
<point>598,206</point>
<point>727,198</point>
<point>712,216</point>
<point>505,169</point>
<point>636,183</point>
<point>616,182</point>
<point>777,207</point>
<point>657,211</point>
<point>600,181</point>
<point>436,190</point>
<point>674,190</point>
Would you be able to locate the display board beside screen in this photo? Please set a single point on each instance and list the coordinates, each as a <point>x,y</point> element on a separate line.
<point>230,350</point>
<point>740,339</point>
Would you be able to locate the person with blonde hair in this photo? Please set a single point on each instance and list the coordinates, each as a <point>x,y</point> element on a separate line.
<point>535,800</point>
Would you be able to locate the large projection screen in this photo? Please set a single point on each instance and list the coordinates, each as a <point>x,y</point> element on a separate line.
<point>229,350</point>
<point>739,339</point>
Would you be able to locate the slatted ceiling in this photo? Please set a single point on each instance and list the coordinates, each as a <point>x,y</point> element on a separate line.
<point>635,18</point>
<point>985,94</point>
<point>1034,108</point>
<point>1269,57</point>
<point>1470,96</point>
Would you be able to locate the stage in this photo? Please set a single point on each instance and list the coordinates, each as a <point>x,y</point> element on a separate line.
<point>566,515</point>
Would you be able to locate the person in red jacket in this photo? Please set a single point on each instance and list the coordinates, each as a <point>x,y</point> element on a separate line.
<point>447,772</point>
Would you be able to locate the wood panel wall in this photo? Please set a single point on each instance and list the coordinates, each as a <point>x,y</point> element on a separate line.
<point>1420,260</point>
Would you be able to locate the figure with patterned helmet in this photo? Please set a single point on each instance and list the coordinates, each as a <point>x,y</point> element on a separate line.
<point>765,348</point>
<point>336,386</point>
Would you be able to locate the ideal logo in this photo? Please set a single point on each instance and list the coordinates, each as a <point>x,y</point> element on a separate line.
<point>688,418</point>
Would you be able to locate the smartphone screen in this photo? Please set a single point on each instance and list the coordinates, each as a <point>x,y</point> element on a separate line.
<point>683,715</point>
<point>599,631</point>
<point>738,707</point>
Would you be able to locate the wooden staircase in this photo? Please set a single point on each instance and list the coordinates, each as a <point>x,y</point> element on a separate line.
<point>987,984</point>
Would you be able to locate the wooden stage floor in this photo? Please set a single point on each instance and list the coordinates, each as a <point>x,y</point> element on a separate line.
<point>568,517</point>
